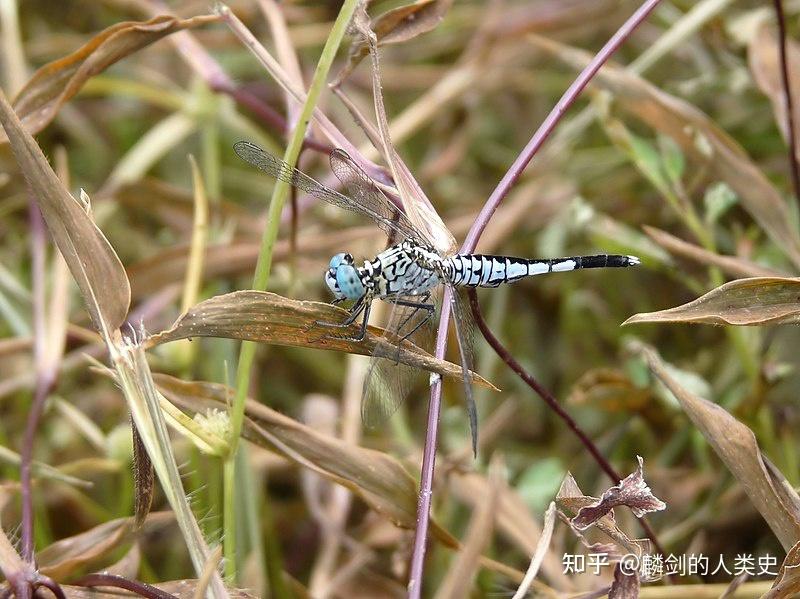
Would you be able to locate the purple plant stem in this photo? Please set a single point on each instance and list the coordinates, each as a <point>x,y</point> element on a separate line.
<point>112,580</point>
<point>553,403</point>
<point>51,585</point>
<point>787,93</point>
<point>428,460</point>
<point>500,192</point>
<point>44,377</point>
<point>546,128</point>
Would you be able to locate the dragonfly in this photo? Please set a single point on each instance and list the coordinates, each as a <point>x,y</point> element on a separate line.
<point>408,275</point>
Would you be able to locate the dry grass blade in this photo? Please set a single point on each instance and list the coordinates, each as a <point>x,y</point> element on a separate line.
<point>379,479</point>
<point>56,82</point>
<point>763,58</point>
<point>269,318</point>
<point>744,302</point>
<point>460,576</point>
<point>699,137</point>
<point>737,447</point>
<point>514,522</point>
<point>417,206</point>
<point>738,267</point>
<point>540,553</point>
<point>91,259</point>
<point>396,26</point>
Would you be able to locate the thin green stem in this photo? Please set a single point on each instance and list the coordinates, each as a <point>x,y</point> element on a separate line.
<point>261,278</point>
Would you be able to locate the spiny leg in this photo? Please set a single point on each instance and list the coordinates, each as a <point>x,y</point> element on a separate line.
<point>362,331</point>
<point>351,318</point>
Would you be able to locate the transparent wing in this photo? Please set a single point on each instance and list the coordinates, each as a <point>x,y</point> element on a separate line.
<point>373,204</point>
<point>465,332</point>
<point>362,188</point>
<point>389,381</point>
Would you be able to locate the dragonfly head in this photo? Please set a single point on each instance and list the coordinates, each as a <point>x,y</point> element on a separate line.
<point>343,279</point>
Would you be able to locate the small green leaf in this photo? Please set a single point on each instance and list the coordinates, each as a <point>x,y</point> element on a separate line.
<point>719,198</point>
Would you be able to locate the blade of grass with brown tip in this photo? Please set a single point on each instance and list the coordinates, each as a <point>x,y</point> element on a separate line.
<point>736,446</point>
<point>738,267</point>
<point>744,302</point>
<point>91,259</point>
<point>269,318</point>
<point>56,82</point>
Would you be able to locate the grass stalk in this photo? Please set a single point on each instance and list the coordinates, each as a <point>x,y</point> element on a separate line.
<point>263,267</point>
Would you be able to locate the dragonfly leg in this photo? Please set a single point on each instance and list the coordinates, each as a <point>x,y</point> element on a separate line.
<point>420,305</point>
<point>362,331</point>
<point>357,308</point>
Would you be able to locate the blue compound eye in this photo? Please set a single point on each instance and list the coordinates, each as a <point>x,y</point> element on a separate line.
<point>349,282</point>
<point>339,259</point>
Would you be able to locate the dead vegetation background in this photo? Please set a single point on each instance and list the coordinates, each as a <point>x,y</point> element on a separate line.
<point>677,153</point>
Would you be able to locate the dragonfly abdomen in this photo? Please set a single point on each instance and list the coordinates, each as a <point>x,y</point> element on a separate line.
<point>480,270</point>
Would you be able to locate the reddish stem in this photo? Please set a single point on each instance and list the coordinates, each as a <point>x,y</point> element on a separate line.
<point>500,192</point>
<point>112,580</point>
<point>787,93</point>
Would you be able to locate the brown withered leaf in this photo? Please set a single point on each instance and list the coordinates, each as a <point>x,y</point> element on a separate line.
<point>396,26</point>
<point>626,584</point>
<point>765,66</point>
<point>737,447</point>
<point>632,492</point>
<point>698,136</point>
<point>89,549</point>
<point>93,548</point>
<point>270,318</point>
<point>570,499</point>
<point>58,81</point>
<point>787,583</point>
<point>744,302</point>
<point>379,479</point>
<point>91,259</point>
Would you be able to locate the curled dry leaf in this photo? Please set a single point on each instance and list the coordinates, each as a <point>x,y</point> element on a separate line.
<point>570,499</point>
<point>632,492</point>
<point>91,259</point>
<point>765,66</point>
<point>744,302</point>
<point>787,583</point>
<point>626,584</point>
<point>379,479</point>
<point>698,136</point>
<point>269,318</point>
<point>398,25</point>
<point>58,81</point>
<point>736,445</point>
